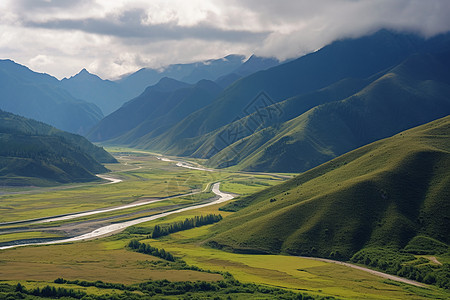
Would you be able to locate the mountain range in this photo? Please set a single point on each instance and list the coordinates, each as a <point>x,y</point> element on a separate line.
<point>224,69</point>
<point>257,115</point>
<point>299,114</point>
<point>110,95</point>
<point>40,96</point>
<point>77,103</point>
<point>155,110</point>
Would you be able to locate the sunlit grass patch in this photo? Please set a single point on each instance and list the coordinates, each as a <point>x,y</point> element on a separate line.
<point>91,261</point>
<point>7,237</point>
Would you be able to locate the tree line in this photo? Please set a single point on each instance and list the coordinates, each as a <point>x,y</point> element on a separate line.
<point>188,223</point>
<point>228,288</point>
<point>137,246</point>
<point>50,292</point>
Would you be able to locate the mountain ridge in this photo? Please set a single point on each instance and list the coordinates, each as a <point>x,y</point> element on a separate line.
<point>396,101</point>
<point>39,96</point>
<point>34,153</point>
<point>216,130</point>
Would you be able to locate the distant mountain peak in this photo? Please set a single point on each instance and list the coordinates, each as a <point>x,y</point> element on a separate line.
<point>84,71</point>
<point>84,75</point>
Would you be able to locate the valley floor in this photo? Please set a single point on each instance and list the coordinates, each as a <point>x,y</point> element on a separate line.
<point>149,188</point>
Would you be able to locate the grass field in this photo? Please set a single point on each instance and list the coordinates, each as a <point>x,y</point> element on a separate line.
<point>107,261</point>
<point>147,177</point>
<point>26,235</point>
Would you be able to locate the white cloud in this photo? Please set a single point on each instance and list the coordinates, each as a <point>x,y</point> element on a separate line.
<point>113,37</point>
<point>302,26</point>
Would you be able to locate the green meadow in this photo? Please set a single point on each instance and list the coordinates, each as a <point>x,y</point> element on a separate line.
<point>110,261</point>
<point>143,177</point>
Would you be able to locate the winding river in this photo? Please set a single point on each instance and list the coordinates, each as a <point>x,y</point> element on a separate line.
<point>112,228</point>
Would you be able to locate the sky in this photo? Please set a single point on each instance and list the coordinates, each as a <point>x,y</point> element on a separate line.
<point>114,37</point>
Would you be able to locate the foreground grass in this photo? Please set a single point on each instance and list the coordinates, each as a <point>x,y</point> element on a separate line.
<point>109,261</point>
<point>105,260</point>
<point>290,272</point>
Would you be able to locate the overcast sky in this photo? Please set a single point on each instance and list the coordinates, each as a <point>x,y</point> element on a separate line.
<point>113,37</point>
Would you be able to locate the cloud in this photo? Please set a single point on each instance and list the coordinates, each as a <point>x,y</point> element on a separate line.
<point>309,25</point>
<point>120,36</point>
<point>34,5</point>
<point>130,24</point>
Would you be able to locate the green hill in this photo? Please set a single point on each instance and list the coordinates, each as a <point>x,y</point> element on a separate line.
<point>34,153</point>
<point>254,132</point>
<point>393,194</point>
<point>412,93</point>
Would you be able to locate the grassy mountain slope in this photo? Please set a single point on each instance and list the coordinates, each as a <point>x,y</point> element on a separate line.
<point>160,106</point>
<point>136,111</point>
<point>413,93</point>
<point>39,96</point>
<point>189,100</point>
<point>387,194</point>
<point>34,153</point>
<point>269,119</point>
<point>358,58</point>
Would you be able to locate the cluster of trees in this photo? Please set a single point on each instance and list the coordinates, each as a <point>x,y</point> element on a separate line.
<point>224,289</point>
<point>99,284</point>
<point>188,223</point>
<point>50,292</point>
<point>147,249</point>
<point>405,265</point>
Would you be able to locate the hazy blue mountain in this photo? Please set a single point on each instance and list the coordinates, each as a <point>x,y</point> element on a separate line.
<point>34,153</point>
<point>151,113</point>
<point>251,65</point>
<point>106,94</point>
<point>39,96</point>
<point>110,95</point>
<point>228,79</point>
<point>25,74</point>
<point>256,63</point>
<point>135,83</point>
